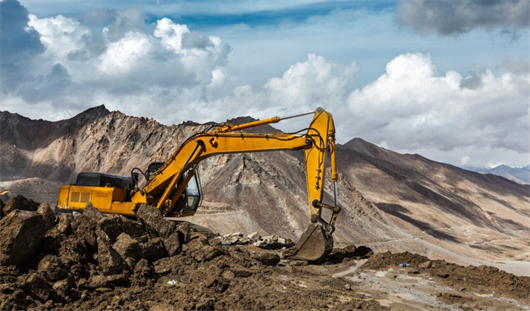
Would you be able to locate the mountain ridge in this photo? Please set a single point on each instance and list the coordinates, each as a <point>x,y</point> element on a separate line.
<point>390,201</point>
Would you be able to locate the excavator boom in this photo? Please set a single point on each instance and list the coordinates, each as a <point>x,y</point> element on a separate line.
<point>170,183</point>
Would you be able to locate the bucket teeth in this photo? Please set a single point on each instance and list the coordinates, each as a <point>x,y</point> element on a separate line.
<point>313,245</point>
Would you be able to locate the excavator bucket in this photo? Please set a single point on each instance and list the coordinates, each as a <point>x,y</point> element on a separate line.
<point>313,245</point>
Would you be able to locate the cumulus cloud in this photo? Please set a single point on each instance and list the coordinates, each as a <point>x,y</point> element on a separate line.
<point>58,60</point>
<point>166,70</point>
<point>412,106</point>
<point>449,17</point>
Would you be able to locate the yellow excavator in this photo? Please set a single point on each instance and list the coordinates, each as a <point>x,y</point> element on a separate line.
<point>173,186</point>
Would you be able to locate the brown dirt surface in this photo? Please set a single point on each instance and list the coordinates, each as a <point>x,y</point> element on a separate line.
<point>94,261</point>
<point>483,279</point>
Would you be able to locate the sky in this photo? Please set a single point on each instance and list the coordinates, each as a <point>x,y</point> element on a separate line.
<point>447,79</point>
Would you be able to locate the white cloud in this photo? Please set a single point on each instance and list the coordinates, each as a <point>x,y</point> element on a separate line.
<point>171,33</point>
<point>171,73</point>
<point>123,55</point>
<point>59,34</point>
<point>312,83</point>
<point>412,106</point>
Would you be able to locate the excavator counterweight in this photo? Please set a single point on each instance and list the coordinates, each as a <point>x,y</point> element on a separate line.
<point>173,188</point>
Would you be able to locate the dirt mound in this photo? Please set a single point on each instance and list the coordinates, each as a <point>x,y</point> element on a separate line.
<point>483,279</point>
<point>19,202</point>
<point>95,261</point>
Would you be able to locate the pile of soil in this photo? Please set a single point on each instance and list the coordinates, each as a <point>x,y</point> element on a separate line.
<point>482,279</point>
<point>96,261</point>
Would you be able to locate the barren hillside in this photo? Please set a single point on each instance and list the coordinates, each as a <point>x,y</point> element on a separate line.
<point>391,201</point>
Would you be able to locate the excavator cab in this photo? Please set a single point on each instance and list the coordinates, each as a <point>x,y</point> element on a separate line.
<point>190,196</point>
<point>189,200</point>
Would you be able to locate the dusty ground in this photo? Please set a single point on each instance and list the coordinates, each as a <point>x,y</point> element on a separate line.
<point>96,262</point>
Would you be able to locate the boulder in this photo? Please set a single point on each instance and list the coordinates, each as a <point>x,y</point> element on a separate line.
<point>48,215</point>
<point>156,225</point>
<point>84,225</point>
<point>21,234</point>
<point>153,250</point>
<point>20,203</point>
<point>52,268</point>
<point>185,231</point>
<point>109,260</point>
<point>128,249</point>
<point>63,224</point>
<point>172,244</point>
<point>265,257</point>
<point>74,250</point>
<point>116,225</point>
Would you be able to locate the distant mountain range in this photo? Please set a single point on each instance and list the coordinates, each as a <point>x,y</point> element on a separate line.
<point>520,175</point>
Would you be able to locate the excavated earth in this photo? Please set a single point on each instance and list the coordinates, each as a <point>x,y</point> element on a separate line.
<point>94,261</point>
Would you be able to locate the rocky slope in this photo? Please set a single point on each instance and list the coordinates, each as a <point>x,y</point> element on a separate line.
<point>391,201</point>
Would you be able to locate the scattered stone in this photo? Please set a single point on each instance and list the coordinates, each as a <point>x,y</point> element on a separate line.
<point>129,263</point>
<point>268,242</point>
<point>425,265</point>
<point>254,236</point>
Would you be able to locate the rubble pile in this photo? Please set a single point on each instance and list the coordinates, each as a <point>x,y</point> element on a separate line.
<point>272,242</point>
<point>96,261</point>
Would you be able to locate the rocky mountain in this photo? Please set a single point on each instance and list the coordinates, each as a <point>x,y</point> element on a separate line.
<point>520,175</point>
<point>390,201</point>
